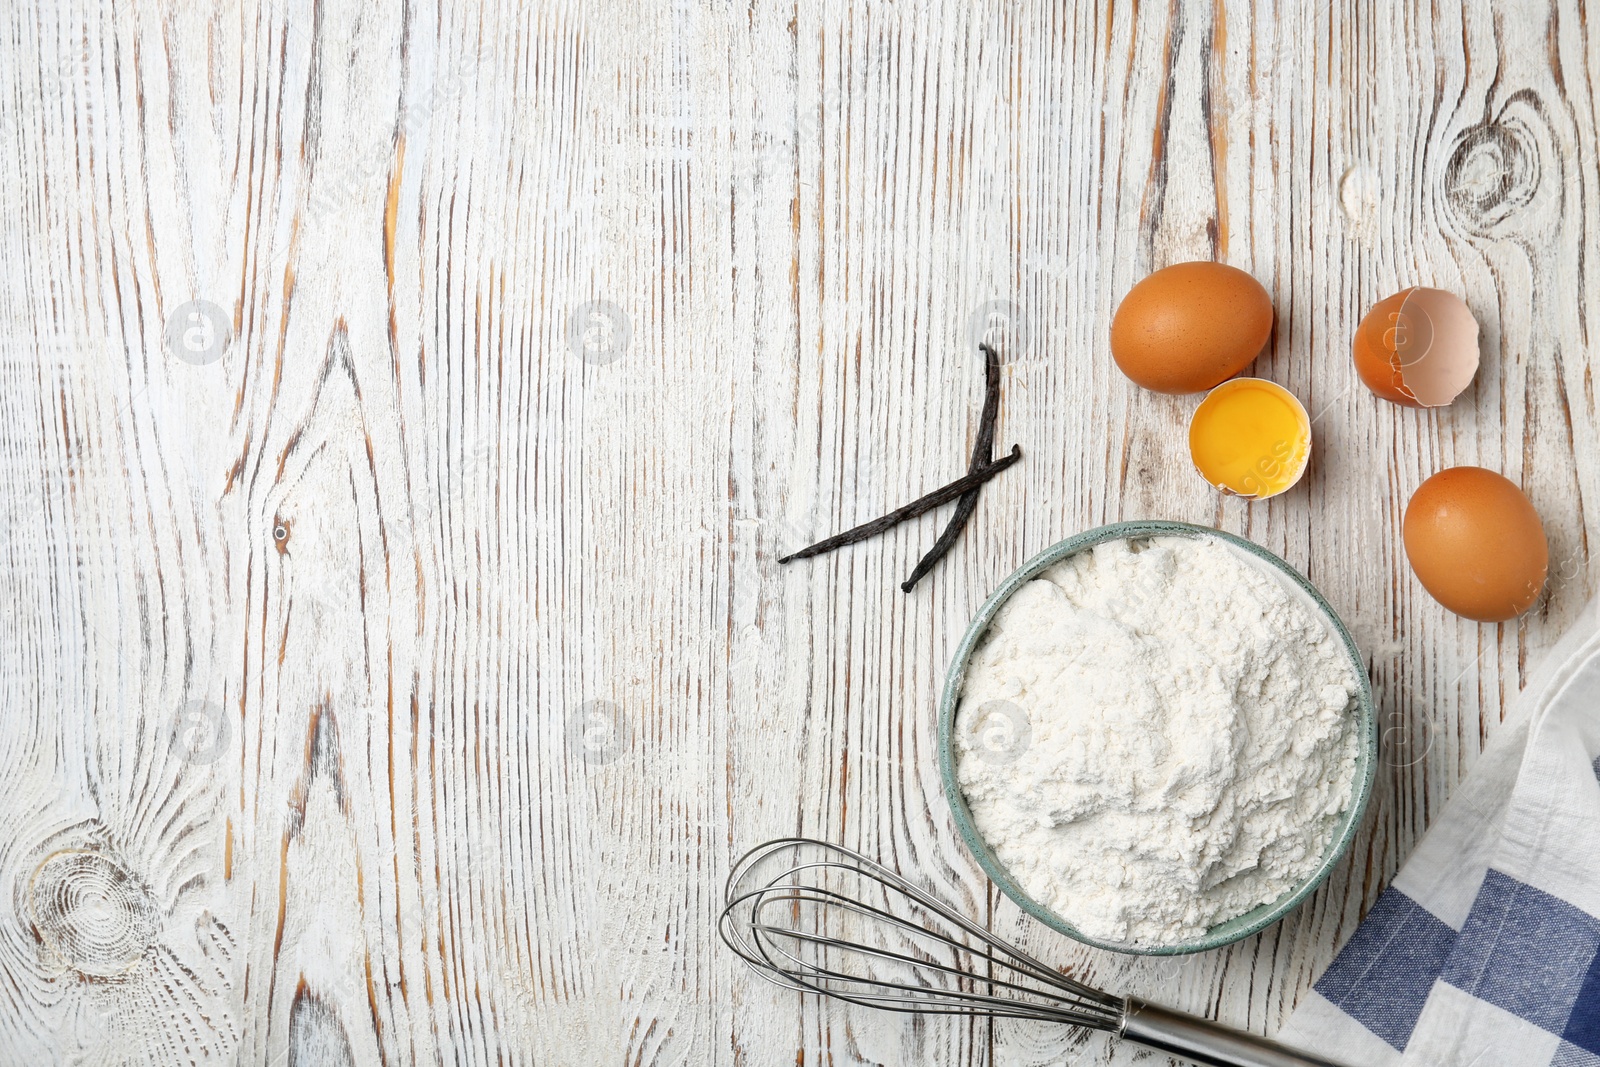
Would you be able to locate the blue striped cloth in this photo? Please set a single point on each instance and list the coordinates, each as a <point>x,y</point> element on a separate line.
<point>1485,950</point>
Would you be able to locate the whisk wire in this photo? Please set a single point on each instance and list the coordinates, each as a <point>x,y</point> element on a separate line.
<point>793,928</point>
<point>875,871</point>
<point>753,925</point>
<point>962,974</point>
<point>914,998</point>
<point>884,954</point>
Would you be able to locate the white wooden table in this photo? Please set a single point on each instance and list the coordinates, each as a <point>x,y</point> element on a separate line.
<point>405,407</point>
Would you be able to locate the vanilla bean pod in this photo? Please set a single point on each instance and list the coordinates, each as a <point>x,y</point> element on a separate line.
<point>920,506</point>
<point>982,449</point>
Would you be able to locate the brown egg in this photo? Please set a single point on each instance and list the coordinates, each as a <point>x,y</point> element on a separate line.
<point>1190,326</point>
<point>1417,348</point>
<point>1476,544</point>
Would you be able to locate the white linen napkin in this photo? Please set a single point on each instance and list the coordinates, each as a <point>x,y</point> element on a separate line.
<point>1485,949</point>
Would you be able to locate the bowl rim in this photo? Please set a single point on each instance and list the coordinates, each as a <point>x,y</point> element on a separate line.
<point>1239,927</point>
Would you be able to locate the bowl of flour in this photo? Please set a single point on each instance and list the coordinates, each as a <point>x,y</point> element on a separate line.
<point>1157,738</point>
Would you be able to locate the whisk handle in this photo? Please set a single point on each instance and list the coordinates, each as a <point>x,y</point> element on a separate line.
<point>1207,1042</point>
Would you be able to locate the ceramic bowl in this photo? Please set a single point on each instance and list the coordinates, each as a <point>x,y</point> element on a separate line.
<point>1240,926</point>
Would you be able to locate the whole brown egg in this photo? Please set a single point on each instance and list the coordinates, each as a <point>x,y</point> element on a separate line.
<point>1190,326</point>
<point>1476,544</point>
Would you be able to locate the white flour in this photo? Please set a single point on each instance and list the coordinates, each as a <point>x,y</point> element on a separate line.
<point>1155,737</point>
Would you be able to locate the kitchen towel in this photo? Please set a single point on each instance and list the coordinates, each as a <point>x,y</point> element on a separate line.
<point>1485,949</point>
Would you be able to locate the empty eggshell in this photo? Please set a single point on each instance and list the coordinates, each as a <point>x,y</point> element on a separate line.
<point>1418,347</point>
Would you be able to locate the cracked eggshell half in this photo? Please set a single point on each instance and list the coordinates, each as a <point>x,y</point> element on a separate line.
<point>1418,348</point>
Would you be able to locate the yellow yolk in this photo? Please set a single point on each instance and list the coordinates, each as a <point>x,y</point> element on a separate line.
<point>1250,437</point>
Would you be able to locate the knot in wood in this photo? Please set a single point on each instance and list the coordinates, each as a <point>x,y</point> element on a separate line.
<point>92,913</point>
<point>1493,173</point>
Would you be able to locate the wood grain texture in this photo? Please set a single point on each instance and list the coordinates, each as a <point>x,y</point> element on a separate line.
<point>394,653</point>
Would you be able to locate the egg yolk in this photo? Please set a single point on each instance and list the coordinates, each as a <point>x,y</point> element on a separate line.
<point>1250,437</point>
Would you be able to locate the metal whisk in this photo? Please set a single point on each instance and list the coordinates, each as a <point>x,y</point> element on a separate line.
<point>817,917</point>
